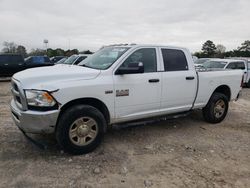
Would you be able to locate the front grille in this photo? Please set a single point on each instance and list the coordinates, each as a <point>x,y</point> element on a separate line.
<point>17,94</point>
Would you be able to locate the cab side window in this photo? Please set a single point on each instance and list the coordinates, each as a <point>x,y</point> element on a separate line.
<point>174,60</point>
<point>241,65</point>
<point>231,66</point>
<point>145,55</point>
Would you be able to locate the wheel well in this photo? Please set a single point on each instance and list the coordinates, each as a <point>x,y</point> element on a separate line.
<point>224,89</point>
<point>89,101</point>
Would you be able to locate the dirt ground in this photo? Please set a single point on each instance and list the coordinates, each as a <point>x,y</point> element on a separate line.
<point>185,152</point>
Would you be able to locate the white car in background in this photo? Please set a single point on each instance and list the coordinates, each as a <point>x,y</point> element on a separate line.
<point>75,59</point>
<point>238,64</point>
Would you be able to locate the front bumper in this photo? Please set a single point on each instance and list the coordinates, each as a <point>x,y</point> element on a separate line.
<point>34,121</point>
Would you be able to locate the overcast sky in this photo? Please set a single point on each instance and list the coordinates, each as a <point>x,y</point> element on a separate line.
<point>90,24</point>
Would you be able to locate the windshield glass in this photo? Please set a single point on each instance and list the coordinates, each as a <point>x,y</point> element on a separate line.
<point>61,61</point>
<point>104,58</point>
<point>214,64</point>
<point>70,60</point>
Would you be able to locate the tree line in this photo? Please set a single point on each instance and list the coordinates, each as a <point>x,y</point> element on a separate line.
<point>13,48</point>
<point>209,49</point>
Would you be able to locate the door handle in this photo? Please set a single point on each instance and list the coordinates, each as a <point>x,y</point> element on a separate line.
<point>153,80</point>
<point>189,77</point>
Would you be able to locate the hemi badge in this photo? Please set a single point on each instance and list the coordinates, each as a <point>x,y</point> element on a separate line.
<point>108,92</point>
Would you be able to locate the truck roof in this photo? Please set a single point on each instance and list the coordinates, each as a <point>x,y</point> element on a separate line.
<point>146,45</point>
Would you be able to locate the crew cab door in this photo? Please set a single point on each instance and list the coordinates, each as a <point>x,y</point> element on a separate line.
<point>138,95</point>
<point>179,81</point>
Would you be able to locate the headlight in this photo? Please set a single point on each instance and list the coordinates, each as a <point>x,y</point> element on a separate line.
<point>38,98</point>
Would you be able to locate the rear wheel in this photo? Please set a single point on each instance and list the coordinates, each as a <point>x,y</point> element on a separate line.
<point>80,129</point>
<point>216,109</point>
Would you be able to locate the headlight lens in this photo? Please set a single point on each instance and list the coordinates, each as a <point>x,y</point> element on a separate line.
<point>39,98</point>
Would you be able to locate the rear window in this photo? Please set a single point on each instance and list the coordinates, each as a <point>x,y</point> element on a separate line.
<point>174,60</point>
<point>214,64</point>
<point>40,59</point>
<point>37,59</point>
<point>236,65</point>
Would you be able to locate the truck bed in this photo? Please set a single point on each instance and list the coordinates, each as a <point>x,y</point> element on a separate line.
<point>209,80</point>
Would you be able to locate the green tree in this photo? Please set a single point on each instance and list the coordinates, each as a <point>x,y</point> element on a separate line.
<point>21,50</point>
<point>37,51</point>
<point>245,46</point>
<point>209,49</point>
<point>51,52</point>
<point>60,52</point>
<point>86,52</point>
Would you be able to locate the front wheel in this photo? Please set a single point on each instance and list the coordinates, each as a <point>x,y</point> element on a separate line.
<point>80,129</point>
<point>216,109</point>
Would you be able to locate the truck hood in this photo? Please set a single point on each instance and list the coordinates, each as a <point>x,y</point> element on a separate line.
<point>47,78</point>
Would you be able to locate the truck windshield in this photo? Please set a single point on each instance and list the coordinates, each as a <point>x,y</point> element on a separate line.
<point>104,58</point>
<point>214,64</point>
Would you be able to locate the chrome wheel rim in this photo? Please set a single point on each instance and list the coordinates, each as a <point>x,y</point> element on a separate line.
<point>83,131</point>
<point>219,108</point>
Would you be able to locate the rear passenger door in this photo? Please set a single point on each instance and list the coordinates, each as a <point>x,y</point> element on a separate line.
<point>179,81</point>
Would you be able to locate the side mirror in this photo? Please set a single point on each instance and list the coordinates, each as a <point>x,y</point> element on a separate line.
<point>133,68</point>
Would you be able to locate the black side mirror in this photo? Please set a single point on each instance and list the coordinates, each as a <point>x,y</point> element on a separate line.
<point>133,68</point>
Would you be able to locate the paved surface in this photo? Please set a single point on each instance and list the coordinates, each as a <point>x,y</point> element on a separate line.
<point>185,152</point>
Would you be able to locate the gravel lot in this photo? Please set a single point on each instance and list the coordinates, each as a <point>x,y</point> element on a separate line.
<point>184,152</point>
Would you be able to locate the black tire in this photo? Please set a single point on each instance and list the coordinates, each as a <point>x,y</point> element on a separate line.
<point>66,121</point>
<point>209,110</point>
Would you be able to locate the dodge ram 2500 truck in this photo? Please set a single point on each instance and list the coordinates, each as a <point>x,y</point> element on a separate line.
<point>117,84</point>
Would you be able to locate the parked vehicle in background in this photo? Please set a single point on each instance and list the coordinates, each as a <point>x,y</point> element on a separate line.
<point>55,59</point>
<point>75,59</point>
<point>237,64</point>
<point>117,84</point>
<point>61,61</point>
<point>37,61</point>
<point>10,64</point>
<point>200,61</point>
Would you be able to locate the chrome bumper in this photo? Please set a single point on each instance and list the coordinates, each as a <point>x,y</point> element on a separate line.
<point>34,121</point>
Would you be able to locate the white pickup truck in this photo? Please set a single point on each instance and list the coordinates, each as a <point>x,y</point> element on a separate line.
<point>117,84</point>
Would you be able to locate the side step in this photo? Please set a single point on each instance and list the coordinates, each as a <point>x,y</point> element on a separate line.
<point>150,120</point>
